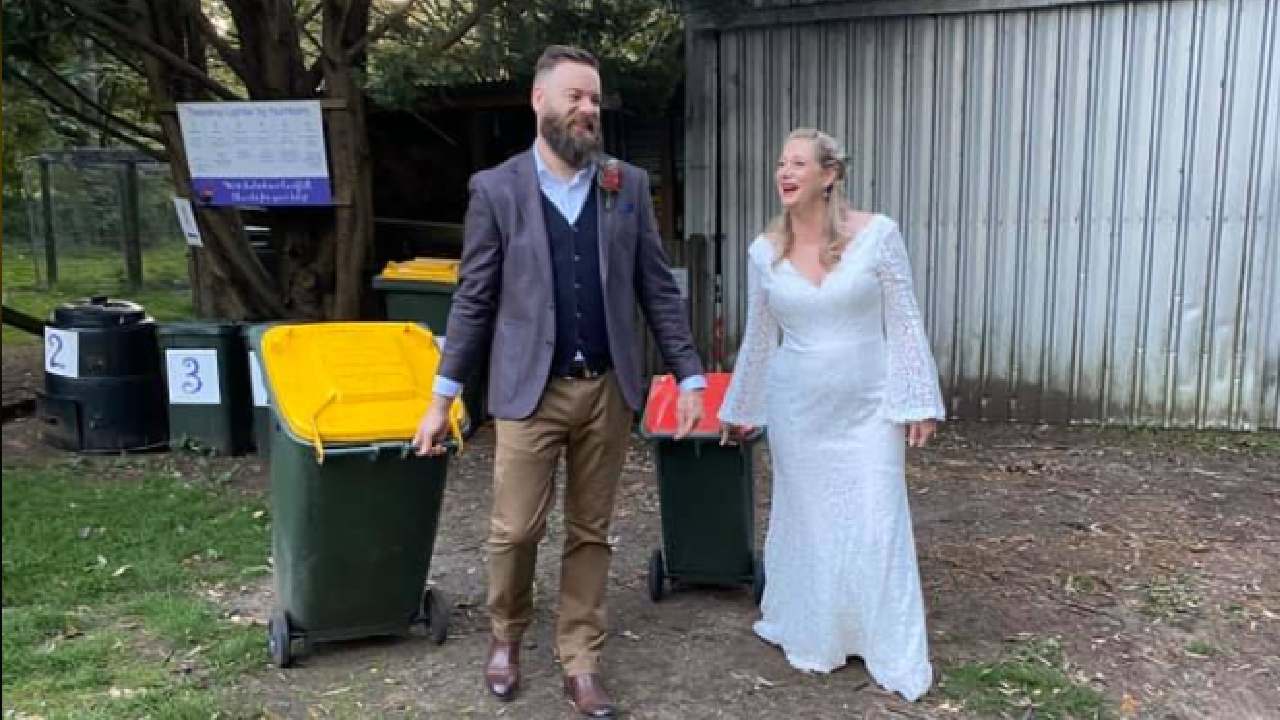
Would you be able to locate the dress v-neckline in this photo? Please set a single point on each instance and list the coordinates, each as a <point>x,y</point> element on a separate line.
<point>827,276</point>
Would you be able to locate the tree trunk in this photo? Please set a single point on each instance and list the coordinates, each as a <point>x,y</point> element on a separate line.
<point>351,237</point>
<point>322,251</point>
<point>232,283</point>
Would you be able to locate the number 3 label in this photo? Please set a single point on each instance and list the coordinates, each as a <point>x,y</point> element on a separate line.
<point>62,352</point>
<point>193,376</point>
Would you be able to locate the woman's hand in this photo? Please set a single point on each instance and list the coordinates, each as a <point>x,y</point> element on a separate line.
<point>918,433</point>
<point>733,433</point>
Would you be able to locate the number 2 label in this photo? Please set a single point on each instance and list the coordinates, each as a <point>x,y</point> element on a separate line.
<point>62,352</point>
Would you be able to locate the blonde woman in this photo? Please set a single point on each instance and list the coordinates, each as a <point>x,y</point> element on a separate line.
<point>835,362</point>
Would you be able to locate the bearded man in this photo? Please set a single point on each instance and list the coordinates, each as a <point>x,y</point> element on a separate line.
<point>560,244</point>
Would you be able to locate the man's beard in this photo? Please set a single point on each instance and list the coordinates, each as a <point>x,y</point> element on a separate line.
<point>576,149</point>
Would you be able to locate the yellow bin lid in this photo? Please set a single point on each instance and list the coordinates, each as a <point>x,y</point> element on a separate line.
<point>438,270</point>
<point>352,382</point>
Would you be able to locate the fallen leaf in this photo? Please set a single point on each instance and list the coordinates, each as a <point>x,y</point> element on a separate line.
<point>339,691</point>
<point>124,693</point>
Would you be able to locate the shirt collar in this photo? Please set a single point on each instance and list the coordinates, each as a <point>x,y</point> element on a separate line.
<point>545,174</point>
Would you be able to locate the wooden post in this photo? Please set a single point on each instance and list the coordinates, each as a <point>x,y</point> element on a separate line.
<point>197,294</point>
<point>131,242</point>
<point>667,190</point>
<point>50,241</point>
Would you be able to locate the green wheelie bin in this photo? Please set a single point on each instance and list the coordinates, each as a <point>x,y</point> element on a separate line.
<point>354,510</point>
<point>207,385</point>
<point>261,404</point>
<point>706,497</point>
<point>421,290</point>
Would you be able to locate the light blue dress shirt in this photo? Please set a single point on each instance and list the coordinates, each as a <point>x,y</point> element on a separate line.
<point>568,196</point>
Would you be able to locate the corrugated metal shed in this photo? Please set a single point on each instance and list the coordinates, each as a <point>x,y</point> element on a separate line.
<point>1090,191</point>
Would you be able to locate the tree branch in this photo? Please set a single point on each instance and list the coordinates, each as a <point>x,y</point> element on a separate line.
<point>107,115</point>
<point>124,33</point>
<point>61,106</point>
<point>311,15</point>
<point>229,55</point>
<point>115,53</point>
<point>381,29</point>
<point>461,29</point>
<point>305,32</point>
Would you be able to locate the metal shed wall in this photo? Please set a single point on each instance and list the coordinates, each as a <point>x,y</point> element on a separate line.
<point>1089,191</point>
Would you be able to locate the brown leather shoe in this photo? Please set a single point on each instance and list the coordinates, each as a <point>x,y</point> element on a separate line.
<point>502,669</point>
<point>588,696</point>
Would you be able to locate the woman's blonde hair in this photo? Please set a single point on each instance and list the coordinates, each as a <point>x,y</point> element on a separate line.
<point>830,157</point>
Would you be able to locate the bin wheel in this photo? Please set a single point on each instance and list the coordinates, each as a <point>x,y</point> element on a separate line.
<point>757,582</point>
<point>435,615</point>
<point>657,576</point>
<point>280,639</point>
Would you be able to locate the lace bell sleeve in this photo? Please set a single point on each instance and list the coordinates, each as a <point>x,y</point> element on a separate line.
<point>744,402</point>
<point>912,391</point>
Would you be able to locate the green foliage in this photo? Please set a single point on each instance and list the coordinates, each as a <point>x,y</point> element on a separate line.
<point>638,43</point>
<point>1034,679</point>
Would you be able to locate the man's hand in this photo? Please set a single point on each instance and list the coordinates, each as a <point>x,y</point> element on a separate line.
<point>918,433</point>
<point>434,427</point>
<point>689,410</point>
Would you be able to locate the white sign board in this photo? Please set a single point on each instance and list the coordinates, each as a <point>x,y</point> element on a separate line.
<point>256,153</point>
<point>187,219</point>
<point>193,376</point>
<point>258,383</point>
<point>61,352</point>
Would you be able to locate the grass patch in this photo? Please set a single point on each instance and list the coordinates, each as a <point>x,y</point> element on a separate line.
<point>1169,597</point>
<point>165,292</point>
<point>1034,675</point>
<point>103,615</point>
<point>1200,649</point>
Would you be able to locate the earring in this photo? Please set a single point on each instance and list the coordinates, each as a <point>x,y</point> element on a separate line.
<point>826,192</point>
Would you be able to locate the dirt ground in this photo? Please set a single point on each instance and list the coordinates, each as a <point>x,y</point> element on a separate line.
<point>21,379</point>
<point>1153,557</point>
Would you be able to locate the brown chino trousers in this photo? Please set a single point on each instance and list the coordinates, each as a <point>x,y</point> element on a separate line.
<point>590,422</point>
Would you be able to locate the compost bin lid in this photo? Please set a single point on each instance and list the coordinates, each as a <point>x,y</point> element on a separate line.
<point>195,328</point>
<point>356,382</point>
<point>438,270</point>
<point>98,311</point>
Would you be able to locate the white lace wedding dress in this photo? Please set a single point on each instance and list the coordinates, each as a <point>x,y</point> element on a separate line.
<point>852,366</point>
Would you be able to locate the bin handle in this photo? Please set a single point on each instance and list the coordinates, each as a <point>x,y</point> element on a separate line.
<point>405,449</point>
<point>455,427</point>
<point>315,426</point>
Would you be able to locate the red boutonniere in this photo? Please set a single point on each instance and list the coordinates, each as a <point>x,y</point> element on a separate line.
<point>610,179</point>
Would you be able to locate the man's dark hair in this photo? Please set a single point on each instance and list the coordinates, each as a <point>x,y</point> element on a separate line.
<point>556,54</point>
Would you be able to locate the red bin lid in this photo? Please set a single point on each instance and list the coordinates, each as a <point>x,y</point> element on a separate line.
<point>660,411</point>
